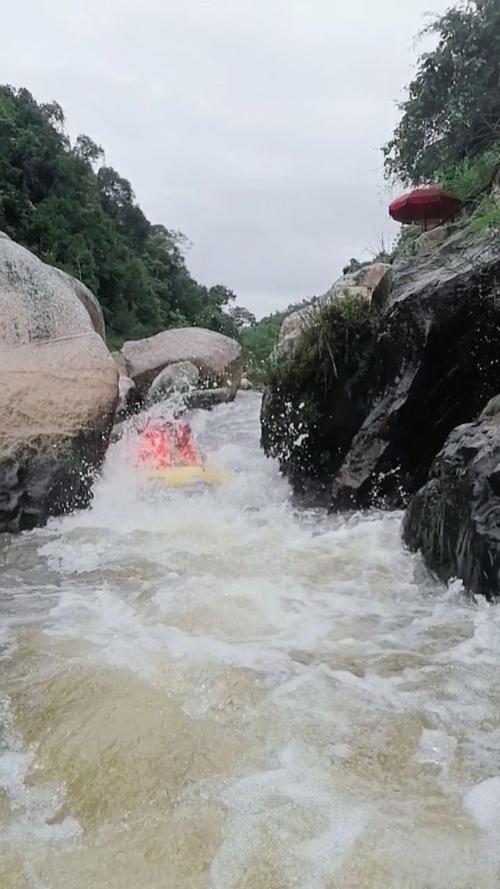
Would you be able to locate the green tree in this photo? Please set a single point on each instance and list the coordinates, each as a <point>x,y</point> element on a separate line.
<point>452,110</point>
<point>242,317</point>
<point>87,150</point>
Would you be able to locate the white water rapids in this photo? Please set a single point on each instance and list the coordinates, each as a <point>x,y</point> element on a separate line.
<point>218,691</point>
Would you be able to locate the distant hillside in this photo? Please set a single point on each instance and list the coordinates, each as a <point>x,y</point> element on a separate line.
<point>58,201</point>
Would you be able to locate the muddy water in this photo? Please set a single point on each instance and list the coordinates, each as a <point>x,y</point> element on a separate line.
<point>215,690</point>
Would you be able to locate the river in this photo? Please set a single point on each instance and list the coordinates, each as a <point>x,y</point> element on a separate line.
<point>218,691</point>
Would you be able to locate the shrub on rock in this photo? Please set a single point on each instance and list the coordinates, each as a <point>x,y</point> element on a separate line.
<point>315,396</point>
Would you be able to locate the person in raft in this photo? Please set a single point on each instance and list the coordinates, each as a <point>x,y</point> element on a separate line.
<point>167,443</point>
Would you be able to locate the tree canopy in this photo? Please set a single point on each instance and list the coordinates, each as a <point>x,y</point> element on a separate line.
<point>452,109</point>
<point>57,201</point>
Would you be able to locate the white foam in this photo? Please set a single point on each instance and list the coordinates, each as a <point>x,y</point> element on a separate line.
<point>348,675</point>
<point>276,808</point>
<point>32,806</point>
<point>483,803</point>
<point>436,748</point>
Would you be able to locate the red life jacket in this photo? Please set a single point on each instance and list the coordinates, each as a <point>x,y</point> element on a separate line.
<point>184,443</point>
<point>164,446</point>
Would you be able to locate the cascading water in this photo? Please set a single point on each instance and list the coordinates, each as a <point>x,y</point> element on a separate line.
<point>213,690</point>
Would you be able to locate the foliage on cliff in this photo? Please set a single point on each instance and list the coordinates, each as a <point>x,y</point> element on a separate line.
<point>58,202</point>
<point>452,108</point>
<point>316,388</point>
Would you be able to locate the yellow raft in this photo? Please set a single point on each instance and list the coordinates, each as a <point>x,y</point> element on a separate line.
<point>184,476</point>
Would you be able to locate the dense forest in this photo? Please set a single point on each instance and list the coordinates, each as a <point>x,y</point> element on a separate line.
<point>57,200</point>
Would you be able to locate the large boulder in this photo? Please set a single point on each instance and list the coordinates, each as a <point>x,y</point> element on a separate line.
<point>87,300</point>
<point>58,392</point>
<point>181,377</point>
<point>218,358</point>
<point>291,329</point>
<point>372,282</point>
<point>433,238</point>
<point>455,518</point>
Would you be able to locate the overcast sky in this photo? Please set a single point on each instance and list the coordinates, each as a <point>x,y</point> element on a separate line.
<point>253,126</point>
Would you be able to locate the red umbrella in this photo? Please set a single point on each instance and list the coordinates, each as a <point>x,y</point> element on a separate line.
<point>426,204</point>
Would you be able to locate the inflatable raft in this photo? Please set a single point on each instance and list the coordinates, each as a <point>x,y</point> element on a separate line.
<point>187,476</point>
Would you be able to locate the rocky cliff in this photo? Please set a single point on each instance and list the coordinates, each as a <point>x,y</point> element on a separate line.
<point>435,364</point>
<point>431,366</point>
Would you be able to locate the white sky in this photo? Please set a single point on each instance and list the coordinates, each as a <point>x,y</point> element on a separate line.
<point>253,126</point>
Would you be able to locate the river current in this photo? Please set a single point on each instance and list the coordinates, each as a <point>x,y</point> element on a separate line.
<point>216,690</point>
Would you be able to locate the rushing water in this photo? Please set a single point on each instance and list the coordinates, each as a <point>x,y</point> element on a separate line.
<point>216,691</point>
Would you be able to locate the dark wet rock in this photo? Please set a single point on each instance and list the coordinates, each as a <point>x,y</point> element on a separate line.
<point>118,431</point>
<point>39,484</point>
<point>432,365</point>
<point>435,363</point>
<point>208,398</point>
<point>455,518</point>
